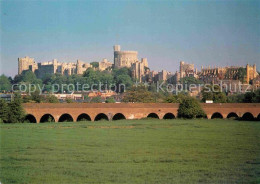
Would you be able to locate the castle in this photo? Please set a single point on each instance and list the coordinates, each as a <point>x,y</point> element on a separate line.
<point>127,59</point>
<point>139,69</point>
<point>215,74</point>
<point>52,67</point>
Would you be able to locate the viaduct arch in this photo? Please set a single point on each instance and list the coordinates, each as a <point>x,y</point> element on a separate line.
<point>45,112</point>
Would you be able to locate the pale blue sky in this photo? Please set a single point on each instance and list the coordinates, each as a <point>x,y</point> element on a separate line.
<point>200,32</point>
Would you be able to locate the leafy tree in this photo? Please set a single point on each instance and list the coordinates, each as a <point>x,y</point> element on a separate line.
<point>36,97</point>
<point>68,100</point>
<point>5,84</point>
<point>122,79</point>
<point>220,98</point>
<point>240,75</point>
<point>110,100</point>
<point>16,112</point>
<point>27,99</point>
<point>87,98</point>
<point>214,93</point>
<point>52,99</point>
<point>190,108</point>
<point>188,81</point>
<point>249,97</point>
<point>96,99</point>
<point>4,110</point>
<point>171,99</point>
<point>94,64</point>
<point>138,94</point>
<point>236,98</point>
<point>175,98</point>
<point>256,99</point>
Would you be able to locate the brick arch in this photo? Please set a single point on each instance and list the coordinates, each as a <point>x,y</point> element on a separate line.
<point>30,118</point>
<point>118,116</point>
<point>83,117</point>
<point>232,115</point>
<point>132,110</point>
<point>47,118</point>
<point>169,115</point>
<point>217,115</point>
<point>153,115</point>
<point>101,116</point>
<point>248,116</point>
<point>65,117</point>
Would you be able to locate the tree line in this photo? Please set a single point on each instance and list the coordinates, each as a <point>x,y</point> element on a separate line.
<point>189,106</point>
<point>118,76</point>
<point>13,112</point>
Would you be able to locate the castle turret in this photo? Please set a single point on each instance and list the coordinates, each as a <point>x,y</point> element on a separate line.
<point>124,58</point>
<point>26,63</point>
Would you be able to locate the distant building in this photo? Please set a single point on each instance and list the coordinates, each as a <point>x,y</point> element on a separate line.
<point>51,67</point>
<point>130,60</point>
<point>124,58</point>
<point>186,70</point>
<point>104,64</point>
<point>26,63</point>
<point>213,75</point>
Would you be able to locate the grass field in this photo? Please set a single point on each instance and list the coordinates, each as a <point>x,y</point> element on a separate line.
<point>131,151</point>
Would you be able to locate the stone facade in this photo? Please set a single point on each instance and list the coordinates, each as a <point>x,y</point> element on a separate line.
<point>124,58</point>
<point>186,70</point>
<point>104,64</point>
<point>26,63</point>
<point>139,69</point>
<point>129,59</point>
<point>51,67</point>
<point>213,75</point>
<point>251,72</point>
<point>164,75</point>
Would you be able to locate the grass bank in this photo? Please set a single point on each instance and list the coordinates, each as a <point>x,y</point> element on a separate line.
<point>131,151</point>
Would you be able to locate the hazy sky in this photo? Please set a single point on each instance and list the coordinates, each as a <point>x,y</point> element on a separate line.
<point>201,32</point>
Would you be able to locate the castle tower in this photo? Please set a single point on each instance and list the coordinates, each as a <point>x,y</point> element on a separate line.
<point>124,58</point>
<point>181,69</point>
<point>55,65</point>
<point>117,48</point>
<point>79,67</point>
<point>26,63</point>
<point>144,61</point>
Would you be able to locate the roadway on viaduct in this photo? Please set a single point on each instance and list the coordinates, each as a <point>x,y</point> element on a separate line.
<point>59,112</point>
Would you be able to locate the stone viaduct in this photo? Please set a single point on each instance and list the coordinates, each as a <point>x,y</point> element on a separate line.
<point>43,112</point>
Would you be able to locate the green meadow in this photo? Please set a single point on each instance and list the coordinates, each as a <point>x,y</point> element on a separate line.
<point>131,151</point>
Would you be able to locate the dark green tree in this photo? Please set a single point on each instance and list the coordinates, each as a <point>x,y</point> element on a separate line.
<point>52,99</point>
<point>16,112</point>
<point>5,84</point>
<point>187,81</point>
<point>4,110</point>
<point>240,75</point>
<point>190,108</point>
<point>249,97</point>
<point>138,94</point>
<point>36,97</point>
<point>96,99</point>
<point>110,100</point>
<point>68,100</point>
<point>94,64</point>
<point>213,92</point>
